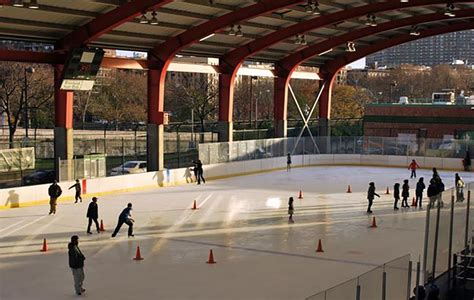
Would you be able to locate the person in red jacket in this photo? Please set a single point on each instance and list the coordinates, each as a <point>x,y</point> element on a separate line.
<point>413,166</point>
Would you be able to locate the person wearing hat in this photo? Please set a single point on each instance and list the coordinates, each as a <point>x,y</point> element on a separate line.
<point>54,191</point>
<point>93,215</point>
<point>76,263</point>
<point>125,217</point>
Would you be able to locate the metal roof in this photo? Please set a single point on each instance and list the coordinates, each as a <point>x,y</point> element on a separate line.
<point>55,19</point>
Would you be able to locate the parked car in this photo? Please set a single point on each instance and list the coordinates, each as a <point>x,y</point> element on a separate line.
<point>129,167</point>
<point>39,177</point>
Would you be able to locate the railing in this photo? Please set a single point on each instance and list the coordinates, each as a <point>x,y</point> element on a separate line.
<point>210,153</point>
<point>390,281</point>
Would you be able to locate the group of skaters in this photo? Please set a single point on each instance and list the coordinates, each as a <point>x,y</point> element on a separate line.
<point>76,257</point>
<point>434,190</point>
<point>198,171</point>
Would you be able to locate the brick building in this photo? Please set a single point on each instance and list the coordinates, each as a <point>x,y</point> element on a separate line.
<point>424,120</point>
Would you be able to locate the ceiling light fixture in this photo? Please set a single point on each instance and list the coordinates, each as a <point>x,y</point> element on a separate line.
<point>154,19</point>
<point>350,47</point>
<point>239,31</point>
<point>143,19</point>
<point>206,37</point>
<point>325,52</point>
<point>232,30</point>
<point>33,4</point>
<point>449,10</point>
<point>414,30</point>
<point>18,3</point>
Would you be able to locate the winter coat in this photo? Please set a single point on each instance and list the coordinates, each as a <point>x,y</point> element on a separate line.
<point>77,187</point>
<point>432,190</point>
<point>54,191</point>
<point>93,211</point>
<point>76,258</point>
<point>396,192</point>
<point>125,214</point>
<point>371,193</point>
<point>420,187</point>
<point>405,190</point>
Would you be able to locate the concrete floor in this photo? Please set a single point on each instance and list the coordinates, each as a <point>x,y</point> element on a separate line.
<point>243,220</point>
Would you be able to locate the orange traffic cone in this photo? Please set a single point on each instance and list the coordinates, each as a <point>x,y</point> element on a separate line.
<point>138,255</point>
<point>194,205</point>
<point>320,246</point>
<point>211,258</point>
<point>374,224</point>
<point>413,202</point>
<point>45,246</point>
<point>101,225</point>
<point>349,189</point>
<point>300,196</point>
<point>388,191</point>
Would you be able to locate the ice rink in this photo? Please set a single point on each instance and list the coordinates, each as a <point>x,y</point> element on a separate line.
<point>243,220</point>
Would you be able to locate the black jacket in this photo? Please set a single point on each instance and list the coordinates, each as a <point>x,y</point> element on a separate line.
<point>93,211</point>
<point>420,187</point>
<point>76,258</point>
<point>77,187</point>
<point>405,190</point>
<point>54,191</point>
<point>396,192</point>
<point>432,190</point>
<point>371,193</point>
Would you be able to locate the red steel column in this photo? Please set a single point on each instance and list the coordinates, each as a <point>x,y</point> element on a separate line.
<point>280,105</point>
<point>226,105</point>
<point>155,126</point>
<point>325,104</point>
<point>63,131</point>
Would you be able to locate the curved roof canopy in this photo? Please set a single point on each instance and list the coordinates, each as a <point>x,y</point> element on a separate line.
<point>230,24</point>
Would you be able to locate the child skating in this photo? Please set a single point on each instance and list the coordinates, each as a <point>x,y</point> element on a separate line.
<point>291,209</point>
<point>405,193</point>
<point>396,195</point>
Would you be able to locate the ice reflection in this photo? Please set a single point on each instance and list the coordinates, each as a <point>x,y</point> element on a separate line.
<point>273,202</point>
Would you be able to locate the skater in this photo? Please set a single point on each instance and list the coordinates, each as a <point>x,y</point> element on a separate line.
<point>187,175</point>
<point>54,191</point>
<point>370,196</point>
<point>420,187</point>
<point>93,215</point>
<point>459,183</point>
<point>291,209</point>
<point>199,171</point>
<point>467,161</point>
<point>288,162</point>
<point>432,193</point>
<point>396,195</point>
<point>76,263</point>
<point>77,186</point>
<point>413,166</point>
<point>405,193</point>
<point>421,293</point>
<point>125,217</point>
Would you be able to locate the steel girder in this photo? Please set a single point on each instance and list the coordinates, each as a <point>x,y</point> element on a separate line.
<point>106,22</point>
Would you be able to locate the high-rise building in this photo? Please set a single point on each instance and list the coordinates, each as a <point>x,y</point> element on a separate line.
<point>431,51</point>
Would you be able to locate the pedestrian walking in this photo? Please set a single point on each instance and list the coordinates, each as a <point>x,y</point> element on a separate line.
<point>405,193</point>
<point>200,171</point>
<point>420,187</point>
<point>459,184</point>
<point>54,191</point>
<point>76,263</point>
<point>288,162</point>
<point>77,187</point>
<point>291,210</point>
<point>370,196</point>
<point>413,166</point>
<point>93,215</point>
<point>125,217</point>
<point>396,195</point>
<point>467,161</point>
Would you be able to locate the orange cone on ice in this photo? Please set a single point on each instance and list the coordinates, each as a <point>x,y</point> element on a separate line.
<point>211,258</point>
<point>45,246</point>
<point>194,205</point>
<point>388,191</point>
<point>374,224</point>
<point>138,255</point>
<point>101,228</point>
<point>349,189</point>
<point>300,196</point>
<point>413,202</point>
<point>320,246</point>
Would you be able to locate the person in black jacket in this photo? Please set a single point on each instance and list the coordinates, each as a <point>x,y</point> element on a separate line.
<point>77,187</point>
<point>93,215</point>
<point>396,195</point>
<point>291,210</point>
<point>405,193</point>
<point>76,263</point>
<point>420,187</point>
<point>432,192</point>
<point>200,171</point>
<point>288,162</point>
<point>370,196</point>
<point>467,161</point>
<point>125,217</point>
<point>54,191</point>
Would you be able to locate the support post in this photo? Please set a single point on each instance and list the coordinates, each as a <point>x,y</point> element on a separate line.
<point>468,208</point>
<point>280,106</point>
<point>410,267</point>
<point>226,99</point>
<point>155,127</point>
<point>450,249</point>
<point>63,129</point>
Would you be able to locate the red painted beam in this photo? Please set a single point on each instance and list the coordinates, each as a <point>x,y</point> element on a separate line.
<point>335,65</point>
<point>107,22</point>
<point>233,59</point>
<point>165,51</point>
<point>288,64</point>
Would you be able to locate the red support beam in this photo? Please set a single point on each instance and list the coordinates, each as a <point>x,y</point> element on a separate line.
<point>333,66</point>
<point>288,64</point>
<point>155,96</point>
<point>107,22</point>
<point>63,101</point>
